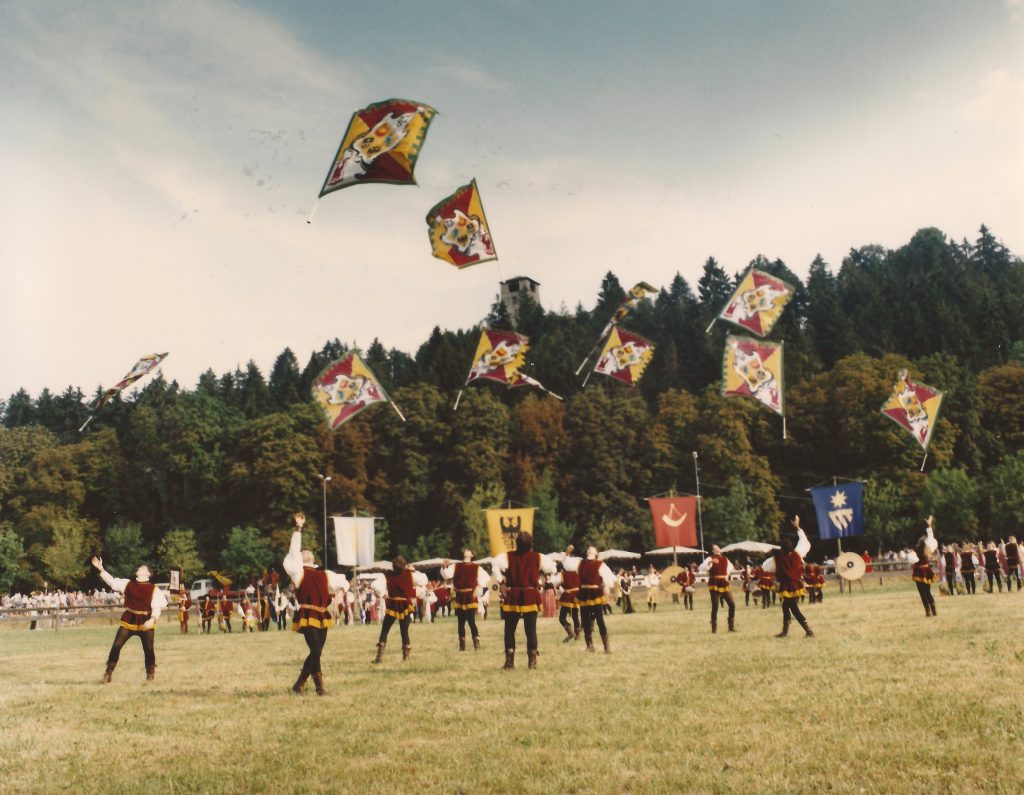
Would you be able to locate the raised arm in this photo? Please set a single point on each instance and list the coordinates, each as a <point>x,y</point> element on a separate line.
<point>547,565</point>
<point>929,540</point>
<point>419,579</point>
<point>113,583</point>
<point>336,582</point>
<point>293,560</point>
<point>447,570</point>
<point>803,545</point>
<point>498,566</point>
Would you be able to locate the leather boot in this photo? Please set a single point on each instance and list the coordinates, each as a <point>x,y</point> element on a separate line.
<point>732,625</point>
<point>150,673</point>
<point>476,644</point>
<point>462,644</point>
<point>927,611</point>
<point>607,644</point>
<point>510,660</point>
<point>714,627</point>
<point>785,628</point>
<point>569,634</point>
<point>108,673</point>
<point>406,652</point>
<point>318,680</point>
<point>590,646</point>
<point>532,659</point>
<point>933,610</point>
<point>380,653</point>
<point>577,633</point>
<point>300,683</point>
<point>807,629</point>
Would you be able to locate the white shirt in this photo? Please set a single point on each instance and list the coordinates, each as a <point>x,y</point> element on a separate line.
<point>705,567</point>
<point>929,542</point>
<point>803,546</point>
<point>380,583</point>
<point>293,566</point>
<point>156,604</point>
<point>483,579</point>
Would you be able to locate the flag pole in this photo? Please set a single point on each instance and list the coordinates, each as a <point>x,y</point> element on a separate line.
<point>93,415</point>
<point>708,329</point>
<point>458,397</point>
<point>925,459</point>
<point>586,379</point>
<point>397,411</point>
<point>783,427</point>
<point>313,211</point>
<point>700,520</point>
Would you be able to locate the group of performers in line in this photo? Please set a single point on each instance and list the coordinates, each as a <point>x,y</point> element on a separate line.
<point>959,563</point>
<point>584,585</point>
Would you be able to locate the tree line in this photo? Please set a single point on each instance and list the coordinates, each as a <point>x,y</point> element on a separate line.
<point>206,477</point>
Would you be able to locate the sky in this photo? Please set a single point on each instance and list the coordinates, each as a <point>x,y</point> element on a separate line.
<point>160,160</point>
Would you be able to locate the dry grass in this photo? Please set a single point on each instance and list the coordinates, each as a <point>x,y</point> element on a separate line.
<point>882,700</point>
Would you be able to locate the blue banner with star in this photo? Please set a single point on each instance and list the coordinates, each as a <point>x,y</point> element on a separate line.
<point>840,510</point>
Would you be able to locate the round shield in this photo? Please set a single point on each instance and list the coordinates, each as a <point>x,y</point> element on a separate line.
<point>850,566</point>
<point>671,579</point>
<point>494,585</point>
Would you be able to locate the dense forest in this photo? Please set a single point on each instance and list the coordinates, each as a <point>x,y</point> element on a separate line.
<point>206,477</point>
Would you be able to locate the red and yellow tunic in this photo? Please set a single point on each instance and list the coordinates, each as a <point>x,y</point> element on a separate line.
<point>183,607</point>
<point>687,579</point>
<point>138,605</point>
<point>992,562</point>
<point>591,584</point>
<point>967,562</point>
<point>314,597</point>
<point>466,581</point>
<point>208,609</point>
<point>921,571</point>
<point>789,568</point>
<point>570,589</point>
<point>766,580</point>
<point>401,598</point>
<point>226,609</point>
<point>718,574</point>
<point>522,579</point>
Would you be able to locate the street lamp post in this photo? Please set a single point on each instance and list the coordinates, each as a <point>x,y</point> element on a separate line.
<point>324,480</point>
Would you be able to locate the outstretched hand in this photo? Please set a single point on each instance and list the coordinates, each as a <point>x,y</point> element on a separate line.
<point>796,522</point>
<point>930,520</point>
<point>300,520</point>
<point>97,563</point>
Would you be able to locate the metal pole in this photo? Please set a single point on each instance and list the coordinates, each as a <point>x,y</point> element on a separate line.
<point>700,520</point>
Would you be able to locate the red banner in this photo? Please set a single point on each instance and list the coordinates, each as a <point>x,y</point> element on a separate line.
<point>675,521</point>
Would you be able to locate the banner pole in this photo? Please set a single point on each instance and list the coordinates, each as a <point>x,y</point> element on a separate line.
<point>458,397</point>
<point>397,411</point>
<point>708,329</point>
<point>700,520</point>
<point>313,211</point>
<point>93,415</point>
<point>922,462</point>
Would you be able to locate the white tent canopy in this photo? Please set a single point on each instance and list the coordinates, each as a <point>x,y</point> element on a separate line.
<point>377,565</point>
<point>675,551</point>
<point>751,546</point>
<point>617,554</point>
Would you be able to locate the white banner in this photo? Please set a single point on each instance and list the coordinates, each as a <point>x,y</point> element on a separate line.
<point>354,540</point>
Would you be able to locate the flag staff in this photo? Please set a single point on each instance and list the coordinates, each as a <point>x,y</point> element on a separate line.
<point>700,521</point>
<point>313,211</point>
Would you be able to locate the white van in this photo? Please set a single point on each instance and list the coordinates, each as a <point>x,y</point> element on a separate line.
<point>199,589</point>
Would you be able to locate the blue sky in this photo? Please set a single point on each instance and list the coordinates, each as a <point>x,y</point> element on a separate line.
<point>160,159</point>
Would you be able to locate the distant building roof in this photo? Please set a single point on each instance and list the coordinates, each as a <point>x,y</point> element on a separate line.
<point>517,278</point>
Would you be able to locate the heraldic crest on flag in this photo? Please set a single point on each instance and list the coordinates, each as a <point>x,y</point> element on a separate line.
<point>459,233</point>
<point>346,387</point>
<point>758,302</point>
<point>504,524</point>
<point>139,369</point>
<point>625,356</point>
<point>915,407</point>
<point>840,510</point>
<point>753,368</point>
<point>498,357</point>
<point>637,294</point>
<point>381,144</point>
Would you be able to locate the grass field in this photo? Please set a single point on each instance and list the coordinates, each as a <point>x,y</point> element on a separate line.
<point>881,700</point>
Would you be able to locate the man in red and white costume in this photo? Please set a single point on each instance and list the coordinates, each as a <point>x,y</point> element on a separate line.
<point>596,582</point>
<point>568,579</point>
<point>143,603</point>
<point>788,566</point>
<point>314,590</point>
<point>467,579</point>
<point>398,588</point>
<point>718,568</point>
<point>519,573</point>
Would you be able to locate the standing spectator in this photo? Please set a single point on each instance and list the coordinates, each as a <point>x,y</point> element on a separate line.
<point>653,583</point>
<point>625,586</point>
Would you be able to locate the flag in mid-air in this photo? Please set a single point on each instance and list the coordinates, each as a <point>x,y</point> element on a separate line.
<point>840,510</point>
<point>459,233</point>
<point>354,539</point>
<point>915,407</point>
<point>381,144</point>
<point>346,387</point>
<point>758,302</point>
<point>141,367</point>
<point>675,521</point>
<point>753,368</point>
<point>629,303</point>
<point>498,357</point>
<point>625,356</point>
<point>504,524</point>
